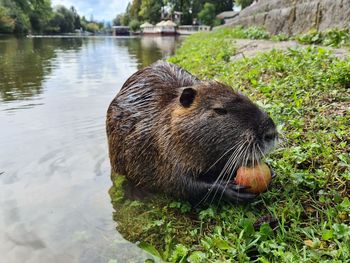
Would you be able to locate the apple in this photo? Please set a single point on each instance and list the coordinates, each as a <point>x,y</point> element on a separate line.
<point>257,177</point>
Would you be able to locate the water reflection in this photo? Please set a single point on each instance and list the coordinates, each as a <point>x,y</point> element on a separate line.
<point>54,167</point>
<point>24,63</point>
<point>18,81</point>
<point>149,48</point>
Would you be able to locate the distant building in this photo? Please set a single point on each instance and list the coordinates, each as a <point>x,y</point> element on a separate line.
<point>189,30</point>
<point>166,27</point>
<point>120,30</point>
<point>177,17</point>
<point>147,28</point>
<point>162,28</point>
<point>170,28</point>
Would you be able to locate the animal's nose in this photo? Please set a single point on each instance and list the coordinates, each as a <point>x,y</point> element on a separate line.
<point>270,135</point>
<point>268,130</point>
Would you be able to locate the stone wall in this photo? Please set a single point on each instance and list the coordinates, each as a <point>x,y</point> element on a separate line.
<point>295,16</point>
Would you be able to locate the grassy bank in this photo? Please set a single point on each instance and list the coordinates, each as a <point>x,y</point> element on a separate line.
<point>307,93</point>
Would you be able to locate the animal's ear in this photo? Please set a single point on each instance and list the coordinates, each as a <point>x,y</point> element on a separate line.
<point>187,97</point>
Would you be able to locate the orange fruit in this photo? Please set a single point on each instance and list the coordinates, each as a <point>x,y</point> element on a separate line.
<point>257,177</point>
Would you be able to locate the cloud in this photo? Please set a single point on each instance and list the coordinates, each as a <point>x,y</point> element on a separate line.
<point>100,9</point>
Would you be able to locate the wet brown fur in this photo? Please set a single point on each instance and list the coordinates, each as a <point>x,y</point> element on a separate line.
<point>159,144</point>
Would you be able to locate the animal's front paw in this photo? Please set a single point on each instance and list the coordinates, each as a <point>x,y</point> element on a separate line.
<point>237,194</point>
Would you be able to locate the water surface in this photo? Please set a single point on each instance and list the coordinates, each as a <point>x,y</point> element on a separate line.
<point>54,166</point>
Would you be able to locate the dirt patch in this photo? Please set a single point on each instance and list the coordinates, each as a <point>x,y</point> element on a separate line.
<point>250,48</point>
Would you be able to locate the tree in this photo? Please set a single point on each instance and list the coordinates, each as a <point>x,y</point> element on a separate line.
<point>18,10</point>
<point>77,23</point>
<point>22,24</point>
<point>63,19</point>
<point>92,27</point>
<point>125,20</point>
<point>222,5</point>
<point>134,25</point>
<point>7,23</point>
<point>37,16</point>
<point>186,9</point>
<point>83,22</point>
<point>150,10</point>
<point>40,15</point>
<point>29,15</point>
<point>207,14</point>
<point>117,21</point>
<point>134,9</point>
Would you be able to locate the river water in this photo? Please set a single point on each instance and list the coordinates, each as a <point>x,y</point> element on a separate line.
<point>54,166</point>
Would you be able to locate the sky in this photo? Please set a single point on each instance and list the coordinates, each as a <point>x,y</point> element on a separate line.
<point>100,9</point>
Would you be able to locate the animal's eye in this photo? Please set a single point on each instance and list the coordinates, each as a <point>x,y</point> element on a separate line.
<point>220,111</point>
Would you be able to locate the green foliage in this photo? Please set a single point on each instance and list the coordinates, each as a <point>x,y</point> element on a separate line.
<point>18,11</point>
<point>40,14</point>
<point>150,10</point>
<point>134,25</point>
<point>306,91</point>
<point>211,55</point>
<point>222,5</point>
<point>92,27</point>
<point>244,3</point>
<point>37,16</point>
<point>77,22</point>
<point>280,37</point>
<point>241,32</point>
<point>333,37</point>
<point>27,15</point>
<point>256,33</point>
<point>7,23</point>
<point>83,22</point>
<point>135,8</point>
<point>63,19</point>
<point>117,21</point>
<point>207,14</point>
<point>22,22</point>
<point>125,20</point>
<point>122,20</point>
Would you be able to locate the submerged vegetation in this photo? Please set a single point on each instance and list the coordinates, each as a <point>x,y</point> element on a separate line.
<point>307,92</point>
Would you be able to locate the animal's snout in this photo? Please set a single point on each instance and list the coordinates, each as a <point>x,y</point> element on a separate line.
<point>267,129</point>
<point>270,135</point>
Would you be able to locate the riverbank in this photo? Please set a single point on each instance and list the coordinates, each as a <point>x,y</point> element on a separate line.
<point>305,215</point>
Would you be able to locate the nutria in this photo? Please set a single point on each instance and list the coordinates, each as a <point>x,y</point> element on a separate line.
<point>170,132</point>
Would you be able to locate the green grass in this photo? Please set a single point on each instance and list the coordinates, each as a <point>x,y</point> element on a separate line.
<point>240,32</point>
<point>307,93</point>
<point>333,37</point>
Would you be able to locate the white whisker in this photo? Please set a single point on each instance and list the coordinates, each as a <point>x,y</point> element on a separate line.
<point>223,171</point>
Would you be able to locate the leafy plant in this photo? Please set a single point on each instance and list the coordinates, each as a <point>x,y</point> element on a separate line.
<point>280,37</point>
<point>333,37</point>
